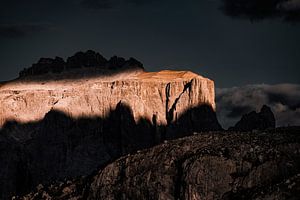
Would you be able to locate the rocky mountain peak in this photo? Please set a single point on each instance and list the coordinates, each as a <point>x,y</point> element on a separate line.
<point>80,60</point>
<point>262,120</point>
<point>86,59</point>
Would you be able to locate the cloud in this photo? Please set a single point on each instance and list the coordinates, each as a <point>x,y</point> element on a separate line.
<point>237,110</point>
<point>288,10</point>
<point>290,5</point>
<point>284,100</point>
<point>109,4</point>
<point>21,30</point>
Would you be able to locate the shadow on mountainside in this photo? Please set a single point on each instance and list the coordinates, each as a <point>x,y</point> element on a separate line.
<point>59,147</point>
<point>77,74</point>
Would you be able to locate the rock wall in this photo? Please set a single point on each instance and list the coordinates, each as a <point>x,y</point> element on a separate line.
<point>165,95</point>
<point>61,128</point>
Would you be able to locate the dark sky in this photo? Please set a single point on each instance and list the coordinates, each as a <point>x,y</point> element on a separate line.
<point>232,46</point>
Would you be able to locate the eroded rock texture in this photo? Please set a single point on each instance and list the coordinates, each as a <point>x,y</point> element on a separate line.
<point>54,127</point>
<point>205,166</point>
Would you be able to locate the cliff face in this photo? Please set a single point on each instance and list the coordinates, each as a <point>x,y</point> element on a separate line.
<point>164,95</point>
<point>58,126</point>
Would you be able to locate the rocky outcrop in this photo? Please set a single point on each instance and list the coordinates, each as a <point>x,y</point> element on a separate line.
<point>87,59</point>
<point>256,121</point>
<point>81,60</point>
<point>57,128</point>
<point>214,165</point>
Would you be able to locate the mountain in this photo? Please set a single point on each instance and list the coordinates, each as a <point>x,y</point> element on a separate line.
<point>65,119</point>
<point>262,120</point>
<point>81,60</point>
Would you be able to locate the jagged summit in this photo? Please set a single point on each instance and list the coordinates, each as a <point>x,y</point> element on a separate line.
<point>81,60</point>
<point>262,120</point>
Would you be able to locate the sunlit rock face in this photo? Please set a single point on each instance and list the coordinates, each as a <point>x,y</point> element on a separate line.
<point>164,95</point>
<point>69,122</point>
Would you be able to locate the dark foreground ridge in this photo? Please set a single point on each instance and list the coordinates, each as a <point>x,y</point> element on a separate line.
<point>60,147</point>
<point>214,165</point>
<point>81,60</point>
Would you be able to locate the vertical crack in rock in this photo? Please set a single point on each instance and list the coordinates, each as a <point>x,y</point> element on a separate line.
<point>170,113</point>
<point>164,132</point>
<point>167,101</point>
<point>179,184</point>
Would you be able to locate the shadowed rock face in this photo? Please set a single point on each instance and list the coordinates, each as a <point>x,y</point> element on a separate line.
<point>60,147</point>
<point>56,129</point>
<point>206,166</point>
<point>256,121</point>
<point>87,59</point>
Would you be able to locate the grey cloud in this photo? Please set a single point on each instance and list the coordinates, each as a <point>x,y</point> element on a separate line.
<point>21,30</point>
<point>237,110</point>
<point>290,5</point>
<point>284,100</point>
<point>288,10</point>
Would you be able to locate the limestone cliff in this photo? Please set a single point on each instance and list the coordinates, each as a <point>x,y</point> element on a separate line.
<point>68,122</point>
<point>164,95</point>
